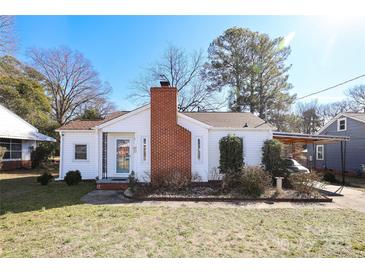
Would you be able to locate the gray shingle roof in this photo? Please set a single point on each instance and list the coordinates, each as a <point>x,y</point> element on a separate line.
<point>229,119</point>
<point>88,124</point>
<point>214,119</point>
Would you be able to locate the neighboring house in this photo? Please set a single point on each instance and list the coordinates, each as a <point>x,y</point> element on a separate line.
<point>19,138</point>
<point>328,156</point>
<point>157,139</point>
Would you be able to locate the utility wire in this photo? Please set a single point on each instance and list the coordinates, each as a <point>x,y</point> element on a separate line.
<point>323,90</point>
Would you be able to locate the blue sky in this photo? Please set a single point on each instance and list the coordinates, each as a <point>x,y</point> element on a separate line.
<point>325,50</point>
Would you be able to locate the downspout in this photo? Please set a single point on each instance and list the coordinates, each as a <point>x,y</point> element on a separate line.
<point>61,156</point>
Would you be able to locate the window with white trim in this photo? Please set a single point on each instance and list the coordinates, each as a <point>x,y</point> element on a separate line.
<point>80,152</point>
<point>13,148</point>
<point>341,124</point>
<point>320,152</point>
<point>144,149</point>
<point>199,150</point>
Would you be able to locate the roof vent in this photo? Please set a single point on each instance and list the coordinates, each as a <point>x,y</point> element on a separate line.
<point>246,125</point>
<point>164,82</point>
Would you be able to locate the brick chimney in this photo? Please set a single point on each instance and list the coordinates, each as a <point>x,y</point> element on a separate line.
<point>170,143</point>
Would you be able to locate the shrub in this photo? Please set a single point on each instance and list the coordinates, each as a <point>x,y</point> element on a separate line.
<point>251,181</point>
<point>254,181</point>
<point>231,153</point>
<point>273,162</point>
<point>232,179</point>
<point>329,177</point>
<point>40,155</point>
<point>172,181</point>
<point>304,182</point>
<point>73,177</point>
<point>45,178</point>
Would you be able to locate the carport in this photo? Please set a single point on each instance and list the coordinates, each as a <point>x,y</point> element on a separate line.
<point>300,138</point>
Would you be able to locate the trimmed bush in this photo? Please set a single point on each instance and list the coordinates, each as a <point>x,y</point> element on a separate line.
<point>329,177</point>
<point>231,154</point>
<point>45,178</point>
<point>273,162</point>
<point>250,181</point>
<point>73,177</point>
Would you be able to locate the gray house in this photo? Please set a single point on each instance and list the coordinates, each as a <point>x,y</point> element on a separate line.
<point>328,156</point>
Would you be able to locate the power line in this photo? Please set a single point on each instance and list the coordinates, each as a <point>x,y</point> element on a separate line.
<point>340,84</point>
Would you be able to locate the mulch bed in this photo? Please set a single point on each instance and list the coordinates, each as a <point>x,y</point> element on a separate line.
<point>214,193</point>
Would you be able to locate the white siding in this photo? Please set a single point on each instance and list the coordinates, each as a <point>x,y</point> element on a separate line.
<point>134,127</point>
<point>198,167</point>
<point>252,144</point>
<point>12,125</point>
<point>26,145</point>
<point>89,167</point>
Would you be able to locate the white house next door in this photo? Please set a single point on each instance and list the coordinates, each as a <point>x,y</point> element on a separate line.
<point>123,156</point>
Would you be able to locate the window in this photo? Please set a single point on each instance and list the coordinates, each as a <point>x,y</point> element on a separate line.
<point>320,152</point>
<point>80,152</point>
<point>341,124</point>
<point>144,149</point>
<point>199,156</point>
<point>13,148</point>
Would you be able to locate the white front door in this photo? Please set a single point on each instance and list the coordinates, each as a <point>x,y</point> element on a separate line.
<point>123,157</point>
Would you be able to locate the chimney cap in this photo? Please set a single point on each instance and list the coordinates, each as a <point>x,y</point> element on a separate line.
<point>164,82</point>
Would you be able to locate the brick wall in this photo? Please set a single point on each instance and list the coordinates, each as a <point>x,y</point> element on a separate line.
<point>170,143</point>
<point>9,165</point>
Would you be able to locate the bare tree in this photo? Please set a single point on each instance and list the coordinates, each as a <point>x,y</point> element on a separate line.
<point>70,80</point>
<point>183,72</point>
<point>329,111</point>
<point>7,37</point>
<point>357,96</point>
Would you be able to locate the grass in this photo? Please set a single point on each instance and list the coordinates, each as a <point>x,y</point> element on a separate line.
<point>50,221</point>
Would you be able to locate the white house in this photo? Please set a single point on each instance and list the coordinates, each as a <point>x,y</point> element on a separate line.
<point>156,138</point>
<point>19,138</point>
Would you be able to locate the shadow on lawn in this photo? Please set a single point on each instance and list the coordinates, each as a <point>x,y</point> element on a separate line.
<point>24,194</point>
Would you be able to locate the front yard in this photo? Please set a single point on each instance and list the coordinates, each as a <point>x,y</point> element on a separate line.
<point>50,221</point>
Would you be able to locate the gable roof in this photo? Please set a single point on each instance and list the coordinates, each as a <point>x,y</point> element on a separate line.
<point>89,124</point>
<point>213,119</point>
<point>229,119</point>
<point>15,127</point>
<point>358,116</point>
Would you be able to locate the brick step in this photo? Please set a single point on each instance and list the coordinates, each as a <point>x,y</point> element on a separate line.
<point>111,186</point>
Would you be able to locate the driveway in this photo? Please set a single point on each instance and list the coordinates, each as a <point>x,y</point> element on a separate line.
<point>352,198</point>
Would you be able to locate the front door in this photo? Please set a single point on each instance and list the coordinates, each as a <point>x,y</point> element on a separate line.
<point>123,161</point>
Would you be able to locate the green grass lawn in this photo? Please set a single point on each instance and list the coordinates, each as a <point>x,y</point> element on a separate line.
<point>50,221</point>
